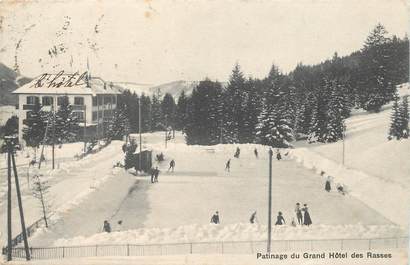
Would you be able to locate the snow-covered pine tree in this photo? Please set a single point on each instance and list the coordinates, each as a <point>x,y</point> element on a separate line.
<point>275,124</point>
<point>119,125</point>
<point>146,113</point>
<point>252,109</point>
<point>396,123</point>
<point>181,111</point>
<point>335,114</point>
<point>168,108</point>
<point>66,123</point>
<point>203,114</point>
<point>35,126</point>
<point>318,123</point>
<point>157,119</point>
<point>375,81</point>
<point>234,97</point>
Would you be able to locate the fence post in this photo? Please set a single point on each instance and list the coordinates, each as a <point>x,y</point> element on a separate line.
<point>370,244</point>
<point>222,247</point>
<point>63,252</point>
<point>128,249</point>
<point>190,247</point>
<point>96,252</point>
<point>341,244</point>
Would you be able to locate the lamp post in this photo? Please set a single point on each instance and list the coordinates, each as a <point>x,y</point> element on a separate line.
<point>268,248</point>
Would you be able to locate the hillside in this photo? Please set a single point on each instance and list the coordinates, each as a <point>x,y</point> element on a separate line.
<point>9,81</point>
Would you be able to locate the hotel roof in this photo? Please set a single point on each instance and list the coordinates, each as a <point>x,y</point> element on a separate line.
<point>62,83</point>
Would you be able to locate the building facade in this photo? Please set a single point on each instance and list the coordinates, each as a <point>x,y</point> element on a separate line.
<point>92,99</point>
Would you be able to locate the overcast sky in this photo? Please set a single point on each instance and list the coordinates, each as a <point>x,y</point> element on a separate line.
<point>155,41</point>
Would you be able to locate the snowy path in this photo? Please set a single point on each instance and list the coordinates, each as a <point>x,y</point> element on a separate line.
<point>69,184</point>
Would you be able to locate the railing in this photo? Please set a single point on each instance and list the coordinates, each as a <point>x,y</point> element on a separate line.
<point>232,247</point>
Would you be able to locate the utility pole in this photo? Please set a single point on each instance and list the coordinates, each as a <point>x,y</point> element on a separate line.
<point>343,149</point>
<point>11,163</point>
<point>268,249</point>
<point>85,128</point>
<point>9,235</point>
<point>139,129</point>
<point>54,135</point>
<point>221,137</point>
<point>166,130</point>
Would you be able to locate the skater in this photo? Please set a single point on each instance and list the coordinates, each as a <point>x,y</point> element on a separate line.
<point>293,223</point>
<point>215,218</point>
<point>306,218</point>
<point>255,152</point>
<point>253,218</point>
<point>156,174</point>
<point>172,165</point>
<point>340,189</point>
<point>152,175</point>
<point>298,213</point>
<point>327,185</point>
<point>119,225</point>
<point>107,227</point>
<point>228,165</point>
<point>237,153</point>
<point>278,156</point>
<point>280,220</point>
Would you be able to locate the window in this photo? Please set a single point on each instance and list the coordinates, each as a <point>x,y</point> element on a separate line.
<point>78,101</point>
<point>100,100</point>
<point>31,100</point>
<point>107,99</point>
<point>60,100</point>
<point>94,115</point>
<point>47,101</point>
<point>94,101</point>
<point>79,115</point>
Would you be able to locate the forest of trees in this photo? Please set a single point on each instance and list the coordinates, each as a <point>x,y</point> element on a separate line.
<point>311,102</point>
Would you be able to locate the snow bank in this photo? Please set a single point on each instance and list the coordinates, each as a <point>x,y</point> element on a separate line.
<point>388,198</point>
<point>232,232</point>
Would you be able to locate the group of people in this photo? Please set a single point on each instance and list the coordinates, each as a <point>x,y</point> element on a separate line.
<point>107,226</point>
<point>302,215</point>
<point>328,186</point>
<point>155,171</point>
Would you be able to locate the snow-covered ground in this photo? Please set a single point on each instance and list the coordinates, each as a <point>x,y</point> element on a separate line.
<point>71,182</point>
<point>376,170</point>
<point>179,207</point>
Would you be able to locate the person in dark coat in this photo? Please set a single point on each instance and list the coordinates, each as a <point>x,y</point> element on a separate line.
<point>152,175</point>
<point>278,155</point>
<point>171,165</point>
<point>253,218</point>
<point>107,227</point>
<point>156,174</point>
<point>327,185</point>
<point>228,165</point>
<point>255,152</point>
<point>237,153</point>
<point>299,213</point>
<point>306,218</point>
<point>215,218</point>
<point>279,219</point>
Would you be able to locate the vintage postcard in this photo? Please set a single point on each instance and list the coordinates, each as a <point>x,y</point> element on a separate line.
<point>204,132</point>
